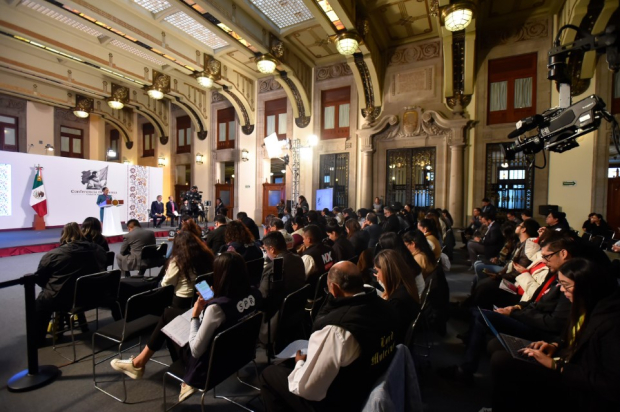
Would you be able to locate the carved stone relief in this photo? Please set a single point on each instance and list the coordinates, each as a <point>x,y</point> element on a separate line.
<point>268,85</point>
<point>332,72</point>
<point>417,84</point>
<point>531,30</point>
<point>415,53</point>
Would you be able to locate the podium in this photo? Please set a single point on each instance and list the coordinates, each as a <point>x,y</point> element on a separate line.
<point>111,218</point>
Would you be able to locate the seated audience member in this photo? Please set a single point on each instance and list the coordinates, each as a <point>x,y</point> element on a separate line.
<point>186,224</point>
<point>361,215</point>
<point>440,225</point>
<point>239,239</point>
<point>318,258</point>
<point>351,345</point>
<point>338,214</point>
<point>274,292</point>
<point>172,210</point>
<point>278,226</point>
<point>407,214</point>
<point>399,288</point>
<point>231,289</point>
<point>526,215</point>
<point>157,212</point>
<point>599,227</point>
<point>224,213</point>
<point>249,223</point>
<point>313,218</point>
<point>496,263</point>
<point>557,221</point>
<point>348,213</point>
<point>357,237</point>
<point>511,216</point>
<point>91,229</point>
<point>394,242</point>
<point>427,227</point>
<point>366,265</point>
<point>587,225</point>
<point>190,258</point>
<point>297,224</point>
<point>343,249</point>
<point>326,213</point>
<point>421,252</point>
<point>474,225</point>
<point>391,224</point>
<point>490,244</point>
<point>583,366</point>
<point>446,214</point>
<point>215,238</point>
<point>57,272</point>
<point>488,207</point>
<point>374,230</point>
<point>544,317</point>
<point>128,257</point>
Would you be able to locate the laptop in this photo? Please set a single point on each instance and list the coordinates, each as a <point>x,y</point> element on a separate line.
<point>512,344</point>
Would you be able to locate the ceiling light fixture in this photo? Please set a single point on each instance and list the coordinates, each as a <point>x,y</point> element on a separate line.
<point>211,73</point>
<point>205,80</point>
<point>161,86</point>
<point>266,63</point>
<point>119,97</point>
<point>83,106</point>
<point>347,43</point>
<point>199,158</point>
<point>457,16</point>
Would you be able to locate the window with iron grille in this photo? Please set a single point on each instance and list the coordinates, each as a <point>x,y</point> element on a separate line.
<point>509,184</point>
<point>334,169</point>
<point>411,177</point>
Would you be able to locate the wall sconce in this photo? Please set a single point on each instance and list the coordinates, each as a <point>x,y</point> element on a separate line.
<point>119,97</point>
<point>160,86</point>
<point>125,161</point>
<point>245,155</point>
<point>49,147</point>
<point>199,159</point>
<point>110,154</point>
<point>266,63</point>
<point>83,106</point>
<point>347,43</point>
<point>161,161</point>
<point>457,16</point>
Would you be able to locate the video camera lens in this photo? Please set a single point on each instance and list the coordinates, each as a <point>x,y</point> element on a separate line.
<point>527,145</point>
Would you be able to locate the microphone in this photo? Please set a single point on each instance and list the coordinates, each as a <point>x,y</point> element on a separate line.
<point>525,125</point>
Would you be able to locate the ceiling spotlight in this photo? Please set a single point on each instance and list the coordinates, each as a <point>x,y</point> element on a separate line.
<point>458,16</point>
<point>266,63</point>
<point>161,86</point>
<point>205,80</point>
<point>347,43</point>
<point>119,97</point>
<point>83,106</point>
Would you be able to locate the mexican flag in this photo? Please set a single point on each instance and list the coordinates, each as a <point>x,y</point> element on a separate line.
<point>38,200</point>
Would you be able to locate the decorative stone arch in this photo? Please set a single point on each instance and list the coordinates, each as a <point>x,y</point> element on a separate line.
<point>247,115</point>
<point>192,111</point>
<point>300,100</point>
<point>160,127</point>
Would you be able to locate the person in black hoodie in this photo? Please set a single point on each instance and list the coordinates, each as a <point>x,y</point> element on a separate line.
<point>249,223</point>
<point>342,248</point>
<point>583,368</point>
<point>351,345</point>
<point>59,269</point>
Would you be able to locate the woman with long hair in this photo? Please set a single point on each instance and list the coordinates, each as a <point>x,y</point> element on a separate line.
<point>190,257</point>
<point>298,223</point>
<point>91,229</point>
<point>421,251</point>
<point>446,214</point>
<point>427,227</point>
<point>398,288</point>
<point>357,237</point>
<point>233,298</point>
<point>584,367</point>
<point>392,241</point>
<point>239,239</point>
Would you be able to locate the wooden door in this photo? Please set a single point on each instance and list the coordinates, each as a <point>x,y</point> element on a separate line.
<point>179,191</point>
<point>225,191</point>
<point>272,194</point>
<point>613,204</point>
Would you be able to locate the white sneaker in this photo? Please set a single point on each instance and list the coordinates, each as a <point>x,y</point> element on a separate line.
<point>186,392</point>
<point>126,366</point>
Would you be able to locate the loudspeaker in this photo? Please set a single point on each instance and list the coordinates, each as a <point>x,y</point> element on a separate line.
<point>546,209</point>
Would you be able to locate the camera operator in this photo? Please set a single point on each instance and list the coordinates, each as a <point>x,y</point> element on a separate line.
<point>194,198</point>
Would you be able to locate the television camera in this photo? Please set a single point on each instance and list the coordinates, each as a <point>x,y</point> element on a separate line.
<point>558,128</point>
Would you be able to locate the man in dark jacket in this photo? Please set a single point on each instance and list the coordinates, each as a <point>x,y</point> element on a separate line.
<point>215,238</point>
<point>59,269</point>
<point>318,258</point>
<point>391,224</point>
<point>171,208</point>
<point>490,244</point>
<point>352,344</point>
<point>249,223</point>
<point>371,225</point>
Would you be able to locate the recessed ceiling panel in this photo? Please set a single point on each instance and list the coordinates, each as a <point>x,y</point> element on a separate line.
<point>284,13</point>
<point>154,6</point>
<point>61,18</point>
<point>314,40</point>
<point>404,19</point>
<point>189,25</point>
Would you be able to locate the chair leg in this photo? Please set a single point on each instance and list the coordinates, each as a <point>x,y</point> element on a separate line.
<point>120,355</point>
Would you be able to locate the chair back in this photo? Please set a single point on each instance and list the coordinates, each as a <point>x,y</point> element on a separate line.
<point>255,270</point>
<point>152,302</point>
<point>291,318</point>
<point>413,329</point>
<point>354,259</point>
<point>232,349</point>
<point>597,240</point>
<point>96,290</point>
<point>437,302</point>
<point>153,255</point>
<point>319,295</point>
<point>109,259</point>
<point>148,252</point>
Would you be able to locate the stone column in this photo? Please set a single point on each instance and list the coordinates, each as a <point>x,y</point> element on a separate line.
<point>365,183</point>
<point>456,200</point>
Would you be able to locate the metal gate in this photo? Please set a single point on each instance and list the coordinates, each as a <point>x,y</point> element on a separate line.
<point>411,177</point>
<point>509,184</point>
<point>334,169</point>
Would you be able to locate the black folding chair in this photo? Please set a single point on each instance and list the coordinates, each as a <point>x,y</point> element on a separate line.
<point>414,329</point>
<point>90,292</point>
<point>142,313</point>
<point>152,256</point>
<point>255,270</point>
<point>109,259</point>
<point>291,320</point>
<point>231,350</point>
<point>319,297</point>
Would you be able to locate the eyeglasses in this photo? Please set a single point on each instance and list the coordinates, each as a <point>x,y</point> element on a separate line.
<point>566,286</point>
<point>547,257</point>
<point>374,270</point>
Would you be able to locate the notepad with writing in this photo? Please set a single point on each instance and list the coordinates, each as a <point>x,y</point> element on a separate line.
<point>178,328</point>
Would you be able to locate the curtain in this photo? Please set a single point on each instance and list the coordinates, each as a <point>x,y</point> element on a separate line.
<point>499,91</point>
<point>231,130</point>
<point>329,113</point>
<point>343,115</point>
<point>523,93</point>
<point>271,124</point>
<point>282,123</point>
<point>222,135</point>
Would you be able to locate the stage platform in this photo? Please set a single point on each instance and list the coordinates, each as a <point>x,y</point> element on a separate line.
<point>22,242</point>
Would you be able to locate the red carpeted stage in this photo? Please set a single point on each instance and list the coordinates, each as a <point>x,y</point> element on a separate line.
<point>23,242</point>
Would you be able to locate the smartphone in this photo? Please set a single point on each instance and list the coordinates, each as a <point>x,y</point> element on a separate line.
<point>278,275</point>
<point>204,289</point>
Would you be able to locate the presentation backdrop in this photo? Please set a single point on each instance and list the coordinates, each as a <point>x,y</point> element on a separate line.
<point>324,199</point>
<point>72,187</point>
